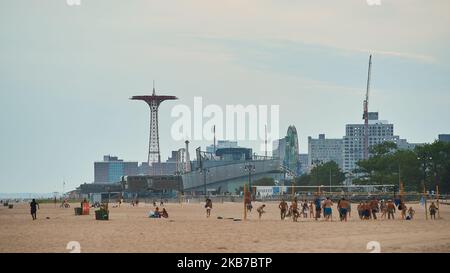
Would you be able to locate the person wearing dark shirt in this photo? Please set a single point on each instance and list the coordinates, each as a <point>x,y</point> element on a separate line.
<point>34,206</point>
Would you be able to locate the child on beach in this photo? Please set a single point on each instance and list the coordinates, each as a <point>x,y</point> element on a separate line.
<point>260,210</point>
<point>411,213</point>
<point>208,207</point>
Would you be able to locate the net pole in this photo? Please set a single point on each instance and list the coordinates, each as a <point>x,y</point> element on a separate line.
<point>245,205</point>
<point>437,201</point>
<point>425,202</point>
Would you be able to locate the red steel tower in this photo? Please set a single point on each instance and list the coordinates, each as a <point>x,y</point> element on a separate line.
<point>154,101</point>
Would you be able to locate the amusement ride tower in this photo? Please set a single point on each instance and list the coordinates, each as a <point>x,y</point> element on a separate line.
<point>153,102</point>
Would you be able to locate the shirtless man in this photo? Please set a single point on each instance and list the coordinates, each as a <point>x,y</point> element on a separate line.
<point>343,208</point>
<point>374,208</point>
<point>433,208</point>
<point>390,209</point>
<point>403,208</point>
<point>283,209</point>
<point>327,211</point>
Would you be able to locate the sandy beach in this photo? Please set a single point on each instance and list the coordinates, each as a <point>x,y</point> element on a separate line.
<point>188,230</point>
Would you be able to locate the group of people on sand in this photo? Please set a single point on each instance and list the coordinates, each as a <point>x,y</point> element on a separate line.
<point>366,210</point>
<point>159,213</point>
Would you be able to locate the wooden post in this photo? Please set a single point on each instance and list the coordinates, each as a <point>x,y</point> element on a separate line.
<point>437,200</point>
<point>245,200</point>
<point>425,199</point>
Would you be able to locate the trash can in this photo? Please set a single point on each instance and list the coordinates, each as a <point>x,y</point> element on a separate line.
<point>5,204</point>
<point>10,206</point>
<point>77,211</point>
<point>101,215</point>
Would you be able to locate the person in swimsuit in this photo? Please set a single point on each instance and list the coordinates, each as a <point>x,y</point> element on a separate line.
<point>208,207</point>
<point>260,210</point>
<point>343,209</point>
<point>433,209</point>
<point>295,212</point>
<point>390,209</point>
<point>374,208</point>
<point>327,211</point>
<point>283,206</point>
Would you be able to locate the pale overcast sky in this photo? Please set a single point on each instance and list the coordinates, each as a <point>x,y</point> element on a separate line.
<point>66,73</point>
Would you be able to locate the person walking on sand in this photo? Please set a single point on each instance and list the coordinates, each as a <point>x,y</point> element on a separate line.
<point>390,209</point>
<point>208,207</point>
<point>327,211</point>
<point>283,206</point>
<point>433,209</point>
<point>33,207</point>
<point>260,210</point>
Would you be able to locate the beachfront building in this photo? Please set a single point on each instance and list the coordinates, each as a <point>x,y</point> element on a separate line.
<point>379,131</point>
<point>322,150</point>
<point>111,169</point>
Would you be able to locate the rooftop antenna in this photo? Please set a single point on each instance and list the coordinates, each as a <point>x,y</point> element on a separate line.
<point>153,87</point>
<point>214,130</point>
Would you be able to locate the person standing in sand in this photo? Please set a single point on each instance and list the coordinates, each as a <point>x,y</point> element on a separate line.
<point>283,206</point>
<point>33,207</point>
<point>374,208</point>
<point>390,209</point>
<point>295,212</point>
<point>208,207</point>
<point>311,210</point>
<point>260,211</point>
<point>433,209</point>
<point>411,213</point>
<point>318,207</point>
<point>327,211</point>
<point>403,208</point>
<point>343,207</point>
<point>383,209</point>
